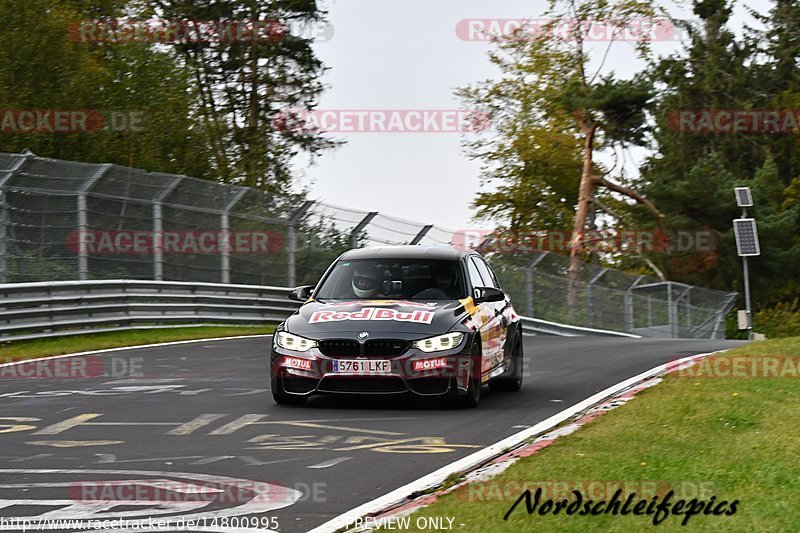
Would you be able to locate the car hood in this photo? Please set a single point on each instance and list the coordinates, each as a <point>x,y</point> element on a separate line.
<point>402,318</point>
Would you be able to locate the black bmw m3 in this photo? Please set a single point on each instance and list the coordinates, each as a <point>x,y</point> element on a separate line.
<point>403,319</point>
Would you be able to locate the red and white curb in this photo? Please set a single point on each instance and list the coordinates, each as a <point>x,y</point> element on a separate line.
<point>494,459</point>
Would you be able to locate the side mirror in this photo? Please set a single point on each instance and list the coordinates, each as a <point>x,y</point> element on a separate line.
<point>301,294</point>
<point>488,294</point>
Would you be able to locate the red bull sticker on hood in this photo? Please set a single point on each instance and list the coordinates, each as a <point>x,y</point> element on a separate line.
<point>372,313</point>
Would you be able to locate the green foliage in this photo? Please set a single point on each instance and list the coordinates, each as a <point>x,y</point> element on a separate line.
<point>692,175</point>
<point>41,68</point>
<point>243,89</point>
<point>782,320</point>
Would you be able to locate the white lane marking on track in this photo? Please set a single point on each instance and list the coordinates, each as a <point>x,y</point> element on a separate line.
<point>263,500</point>
<point>332,462</point>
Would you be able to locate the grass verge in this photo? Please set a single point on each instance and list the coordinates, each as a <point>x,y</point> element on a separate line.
<point>700,433</point>
<point>28,349</point>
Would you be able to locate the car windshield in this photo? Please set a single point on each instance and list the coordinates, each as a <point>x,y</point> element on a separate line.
<point>384,279</point>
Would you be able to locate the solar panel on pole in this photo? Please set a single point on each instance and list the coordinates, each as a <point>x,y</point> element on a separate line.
<point>746,237</point>
<point>743,197</point>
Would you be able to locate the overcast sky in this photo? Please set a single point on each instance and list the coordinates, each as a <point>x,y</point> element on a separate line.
<point>386,55</point>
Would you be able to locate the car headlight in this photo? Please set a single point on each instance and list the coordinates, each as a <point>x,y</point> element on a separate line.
<point>287,341</point>
<point>448,341</point>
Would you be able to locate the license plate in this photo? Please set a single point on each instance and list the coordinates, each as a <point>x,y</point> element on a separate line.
<point>361,367</point>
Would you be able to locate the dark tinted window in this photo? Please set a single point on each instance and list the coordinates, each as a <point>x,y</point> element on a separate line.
<point>382,279</point>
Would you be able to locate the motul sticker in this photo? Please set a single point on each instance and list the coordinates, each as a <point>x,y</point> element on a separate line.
<point>371,313</point>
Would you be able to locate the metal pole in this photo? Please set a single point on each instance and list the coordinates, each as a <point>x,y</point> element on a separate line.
<point>290,256</point>
<point>83,222</point>
<point>3,237</point>
<point>589,300</point>
<point>360,227</point>
<point>421,235</point>
<point>158,243</point>
<point>529,282</point>
<point>83,256</point>
<point>673,316</point>
<point>628,305</point>
<point>225,258</point>
<point>291,246</point>
<point>158,228</point>
<point>224,226</point>
<point>529,291</point>
<point>747,298</point>
<point>4,218</point>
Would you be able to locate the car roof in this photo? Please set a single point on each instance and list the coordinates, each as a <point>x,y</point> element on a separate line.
<point>406,252</point>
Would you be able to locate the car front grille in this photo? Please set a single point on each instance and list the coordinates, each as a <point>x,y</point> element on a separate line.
<point>375,348</point>
<point>340,348</point>
<point>385,348</point>
<point>362,385</point>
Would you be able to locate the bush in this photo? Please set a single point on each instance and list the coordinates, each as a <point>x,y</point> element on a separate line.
<point>783,320</point>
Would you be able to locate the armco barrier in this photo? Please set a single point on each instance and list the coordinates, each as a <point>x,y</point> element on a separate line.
<point>50,309</point>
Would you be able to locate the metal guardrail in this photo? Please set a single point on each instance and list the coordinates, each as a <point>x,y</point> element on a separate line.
<point>57,308</point>
<point>50,309</point>
<point>536,326</point>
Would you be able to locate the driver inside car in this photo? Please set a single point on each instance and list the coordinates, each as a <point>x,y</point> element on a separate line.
<point>365,281</point>
<point>444,288</point>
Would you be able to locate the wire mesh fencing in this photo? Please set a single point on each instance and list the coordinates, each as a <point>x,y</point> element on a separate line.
<point>64,220</point>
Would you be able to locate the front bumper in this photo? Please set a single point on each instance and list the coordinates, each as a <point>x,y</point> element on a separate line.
<point>415,372</point>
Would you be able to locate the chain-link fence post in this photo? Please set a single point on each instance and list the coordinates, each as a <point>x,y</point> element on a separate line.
<point>719,316</point>
<point>529,283</point>
<point>356,233</point>
<point>672,314</point>
<point>4,218</point>
<point>291,244</point>
<point>83,221</point>
<point>224,226</point>
<point>158,228</point>
<point>421,235</point>
<point>682,295</point>
<point>628,303</point>
<point>589,301</point>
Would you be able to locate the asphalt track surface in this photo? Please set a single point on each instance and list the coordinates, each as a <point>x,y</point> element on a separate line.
<point>204,408</point>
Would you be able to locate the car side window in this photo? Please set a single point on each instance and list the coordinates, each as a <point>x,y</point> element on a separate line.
<point>488,279</point>
<point>495,281</point>
<point>474,276</point>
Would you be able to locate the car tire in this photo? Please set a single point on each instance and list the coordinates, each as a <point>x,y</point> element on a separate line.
<point>513,381</point>
<point>281,397</point>
<point>473,396</point>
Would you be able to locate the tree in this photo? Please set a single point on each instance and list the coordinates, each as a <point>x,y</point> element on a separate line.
<point>42,68</point>
<point>691,175</point>
<point>551,79</point>
<point>244,85</point>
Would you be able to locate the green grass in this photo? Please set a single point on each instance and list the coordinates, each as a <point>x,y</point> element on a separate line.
<point>736,438</point>
<point>27,349</point>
